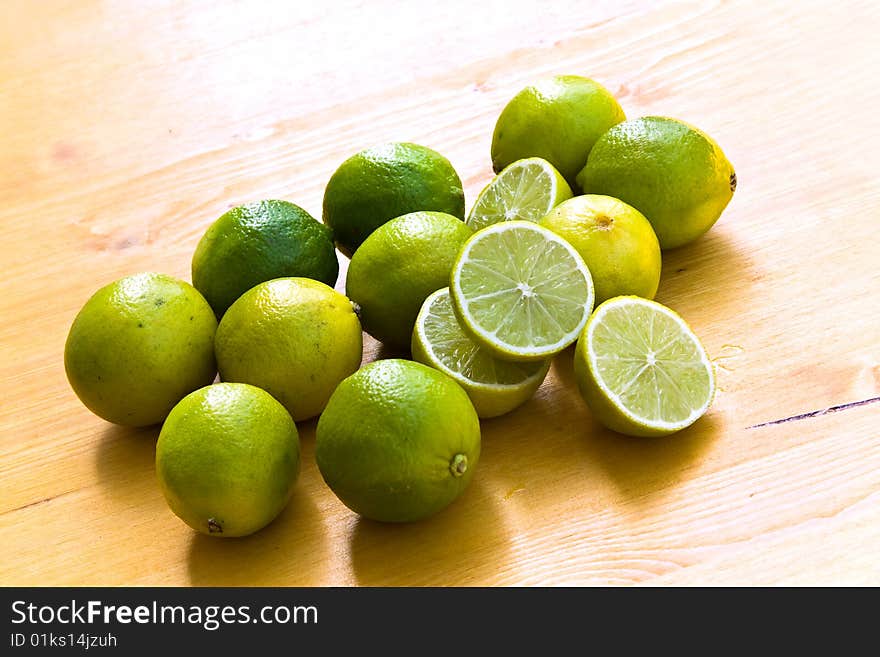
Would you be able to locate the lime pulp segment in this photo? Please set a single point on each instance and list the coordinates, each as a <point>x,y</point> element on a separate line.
<point>460,357</point>
<point>521,290</point>
<point>649,362</point>
<point>526,190</point>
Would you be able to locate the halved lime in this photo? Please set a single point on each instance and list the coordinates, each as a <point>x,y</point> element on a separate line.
<point>527,190</point>
<point>495,386</point>
<point>641,369</point>
<point>521,291</point>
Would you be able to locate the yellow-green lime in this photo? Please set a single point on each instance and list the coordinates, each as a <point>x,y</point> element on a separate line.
<point>521,291</point>
<point>384,182</point>
<point>138,346</point>
<point>257,242</point>
<point>399,441</point>
<point>614,239</point>
<point>673,173</point>
<point>294,337</point>
<point>527,189</point>
<point>558,119</point>
<point>641,369</point>
<point>398,266</point>
<point>495,386</point>
<point>227,458</point>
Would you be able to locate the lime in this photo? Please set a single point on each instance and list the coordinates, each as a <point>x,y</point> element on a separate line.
<point>521,291</point>
<point>294,337</point>
<point>258,242</point>
<point>558,119</point>
<point>614,239</point>
<point>398,441</point>
<point>385,182</point>
<point>495,386</point>
<point>527,189</point>
<point>227,458</point>
<point>138,346</point>
<point>676,175</point>
<point>399,265</point>
<point>641,369</point>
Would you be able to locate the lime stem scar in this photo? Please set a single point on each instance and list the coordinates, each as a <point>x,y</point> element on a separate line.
<point>604,222</point>
<point>458,465</point>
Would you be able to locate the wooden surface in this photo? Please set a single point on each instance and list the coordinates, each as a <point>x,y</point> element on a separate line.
<point>128,127</point>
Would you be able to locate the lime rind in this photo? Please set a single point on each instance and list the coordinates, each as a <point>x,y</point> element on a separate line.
<point>521,291</point>
<point>525,190</point>
<point>648,363</point>
<point>495,386</point>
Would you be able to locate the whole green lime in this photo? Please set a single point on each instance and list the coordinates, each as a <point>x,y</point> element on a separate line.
<point>398,441</point>
<point>227,458</point>
<point>614,239</point>
<point>385,182</point>
<point>257,242</point>
<point>558,119</point>
<point>138,346</point>
<point>673,173</point>
<point>294,337</point>
<point>398,266</point>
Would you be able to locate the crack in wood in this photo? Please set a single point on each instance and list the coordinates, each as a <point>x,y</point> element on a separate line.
<point>37,502</point>
<point>821,411</point>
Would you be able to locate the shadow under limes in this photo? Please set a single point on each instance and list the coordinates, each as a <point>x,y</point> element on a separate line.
<point>290,551</point>
<point>465,544</point>
<point>125,460</point>
<point>639,467</point>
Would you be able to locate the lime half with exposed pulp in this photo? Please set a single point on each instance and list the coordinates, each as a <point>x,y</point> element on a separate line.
<point>527,189</point>
<point>641,369</point>
<point>495,386</point>
<point>521,291</point>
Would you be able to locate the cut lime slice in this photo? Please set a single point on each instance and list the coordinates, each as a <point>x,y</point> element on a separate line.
<point>495,386</point>
<point>641,369</point>
<point>521,291</point>
<point>527,190</point>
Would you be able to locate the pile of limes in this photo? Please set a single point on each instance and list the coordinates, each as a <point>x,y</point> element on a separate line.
<point>576,217</point>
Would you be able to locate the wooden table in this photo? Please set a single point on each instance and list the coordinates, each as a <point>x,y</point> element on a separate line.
<point>128,127</point>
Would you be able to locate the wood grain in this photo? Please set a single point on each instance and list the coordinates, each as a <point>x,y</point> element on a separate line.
<point>129,127</point>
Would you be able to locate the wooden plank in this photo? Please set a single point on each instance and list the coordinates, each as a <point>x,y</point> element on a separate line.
<point>129,129</point>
